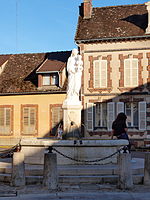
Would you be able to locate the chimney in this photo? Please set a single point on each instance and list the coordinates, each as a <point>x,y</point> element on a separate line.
<point>87,9</point>
<point>148,9</point>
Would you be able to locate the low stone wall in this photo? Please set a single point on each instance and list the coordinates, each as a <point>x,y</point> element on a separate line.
<point>88,150</point>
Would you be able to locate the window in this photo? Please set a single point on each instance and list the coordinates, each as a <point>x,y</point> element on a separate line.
<point>29,119</point>
<point>54,79</point>
<point>100,115</point>
<point>56,117</point>
<point>6,120</point>
<point>131,72</point>
<point>50,79</point>
<point>131,110</point>
<point>46,80</point>
<point>100,74</point>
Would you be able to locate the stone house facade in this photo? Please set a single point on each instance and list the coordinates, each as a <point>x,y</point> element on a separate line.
<point>114,42</point>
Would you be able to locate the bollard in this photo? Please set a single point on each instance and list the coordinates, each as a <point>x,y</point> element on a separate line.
<point>50,176</point>
<point>125,172</point>
<point>147,169</point>
<point>18,170</point>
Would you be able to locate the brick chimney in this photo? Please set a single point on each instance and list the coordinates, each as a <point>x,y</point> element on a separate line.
<point>148,9</point>
<point>87,9</point>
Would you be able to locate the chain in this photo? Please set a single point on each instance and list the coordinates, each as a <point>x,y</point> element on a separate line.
<point>9,152</point>
<point>87,161</point>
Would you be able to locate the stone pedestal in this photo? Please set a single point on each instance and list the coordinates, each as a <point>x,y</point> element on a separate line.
<point>18,170</point>
<point>72,121</point>
<point>50,177</point>
<point>147,169</point>
<point>125,171</point>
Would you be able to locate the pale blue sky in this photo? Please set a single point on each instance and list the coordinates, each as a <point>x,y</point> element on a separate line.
<point>30,26</point>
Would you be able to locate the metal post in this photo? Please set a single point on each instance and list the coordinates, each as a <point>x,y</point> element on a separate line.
<point>50,176</point>
<point>18,170</point>
<point>147,169</point>
<point>124,171</point>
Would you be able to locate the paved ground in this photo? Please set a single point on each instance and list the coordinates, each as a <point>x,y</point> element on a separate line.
<point>77,192</point>
<point>85,192</point>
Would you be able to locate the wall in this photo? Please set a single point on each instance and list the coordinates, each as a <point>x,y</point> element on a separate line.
<point>43,101</point>
<point>114,52</point>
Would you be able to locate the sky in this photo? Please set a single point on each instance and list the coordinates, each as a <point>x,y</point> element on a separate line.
<point>35,26</point>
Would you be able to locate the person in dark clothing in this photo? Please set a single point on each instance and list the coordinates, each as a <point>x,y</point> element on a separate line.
<point>119,128</point>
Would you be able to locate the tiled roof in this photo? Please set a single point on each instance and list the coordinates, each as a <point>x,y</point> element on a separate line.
<point>113,22</point>
<point>51,66</point>
<point>55,62</point>
<point>4,58</point>
<point>19,74</point>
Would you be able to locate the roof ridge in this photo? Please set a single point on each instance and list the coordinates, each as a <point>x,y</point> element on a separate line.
<point>142,4</point>
<point>36,53</point>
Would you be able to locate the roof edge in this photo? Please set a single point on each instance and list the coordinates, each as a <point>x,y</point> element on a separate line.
<point>111,38</point>
<point>33,93</point>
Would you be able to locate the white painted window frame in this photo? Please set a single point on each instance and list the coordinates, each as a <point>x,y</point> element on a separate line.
<point>100,79</point>
<point>131,70</point>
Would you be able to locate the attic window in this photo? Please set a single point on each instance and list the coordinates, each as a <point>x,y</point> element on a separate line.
<point>46,80</point>
<point>50,79</point>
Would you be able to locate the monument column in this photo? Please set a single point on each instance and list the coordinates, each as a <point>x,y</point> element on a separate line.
<point>72,106</point>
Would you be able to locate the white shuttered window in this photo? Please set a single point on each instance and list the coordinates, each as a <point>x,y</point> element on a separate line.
<point>29,123</point>
<point>100,74</point>
<point>120,107</point>
<point>131,72</point>
<point>110,114</point>
<point>142,115</point>
<point>5,120</point>
<point>89,116</point>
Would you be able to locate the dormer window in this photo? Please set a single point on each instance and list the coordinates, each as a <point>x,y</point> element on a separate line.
<point>51,75</point>
<point>50,79</point>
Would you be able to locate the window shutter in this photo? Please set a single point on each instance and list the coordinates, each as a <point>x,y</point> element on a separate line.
<point>120,107</point>
<point>103,74</point>
<point>127,73</point>
<point>29,120</point>
<point>134,72</point>
<point>57,116</point>
<point>142,115</point>
<point>110,114</point>
<point>89,116</point>
<point>5,121</point>
<point>96,74</point>
<point>2,117</point>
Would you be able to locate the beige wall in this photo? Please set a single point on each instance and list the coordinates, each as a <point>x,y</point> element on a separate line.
<point>114,49</point>
<point>43,101</point>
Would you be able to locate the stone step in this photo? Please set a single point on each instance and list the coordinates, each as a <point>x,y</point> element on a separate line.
<point>112,179</point>
<point>68,180</point>
<point>76,170</point>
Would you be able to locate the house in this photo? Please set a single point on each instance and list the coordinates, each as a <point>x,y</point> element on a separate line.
<point>114,42</point>
<point>32,90</point>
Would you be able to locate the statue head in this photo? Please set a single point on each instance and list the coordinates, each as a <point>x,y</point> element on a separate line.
<point>74,52</point>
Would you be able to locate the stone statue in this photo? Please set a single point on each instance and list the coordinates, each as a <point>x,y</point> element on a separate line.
<point>74,68</point>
